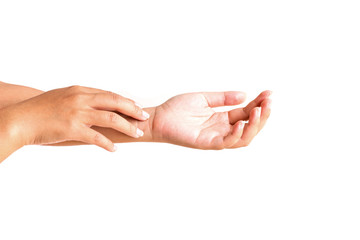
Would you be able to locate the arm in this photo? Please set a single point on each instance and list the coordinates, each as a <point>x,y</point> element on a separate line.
<point>11,94</point>
<point>188,120</point>
<point>67,115</point>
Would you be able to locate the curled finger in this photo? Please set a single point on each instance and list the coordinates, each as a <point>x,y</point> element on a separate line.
<point>235,135</point>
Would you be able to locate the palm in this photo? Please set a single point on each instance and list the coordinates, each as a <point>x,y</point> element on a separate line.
<point>189,121</point>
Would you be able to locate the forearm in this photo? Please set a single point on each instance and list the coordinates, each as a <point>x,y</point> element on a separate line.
<point>9,136</point>
<point>11,94</point>
<point>6,147</point>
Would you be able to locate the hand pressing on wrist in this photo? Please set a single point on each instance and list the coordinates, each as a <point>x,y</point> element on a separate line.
<point>67,114</point>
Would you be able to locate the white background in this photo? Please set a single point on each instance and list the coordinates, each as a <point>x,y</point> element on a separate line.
<point>300,177</point>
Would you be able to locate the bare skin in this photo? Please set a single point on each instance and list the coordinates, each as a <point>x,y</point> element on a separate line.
<point>80,115</point>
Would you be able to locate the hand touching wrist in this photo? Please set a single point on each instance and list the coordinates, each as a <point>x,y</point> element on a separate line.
<point>67,114</point>
<point>146,128</point>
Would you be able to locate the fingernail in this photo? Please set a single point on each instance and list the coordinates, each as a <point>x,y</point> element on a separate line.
<point>139,105</point>
<point>269,103</point>
<point>139,133</point>
<point>258,112</point>
<point>145,115</point>
<point>114,148</point>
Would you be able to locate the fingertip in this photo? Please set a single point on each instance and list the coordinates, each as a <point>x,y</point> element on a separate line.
<point>240,125</point>
<point>139,133</point>
<point>234,98</point>
<point>255,113</point>
<point>269,92</point>
<point>114,148</point>
<point>240,129</point>
<point>266,103</point>
<point>258,113</point>
<point>263,95</point>
<point>269,102</point>
<point>108,145</point>
<point>145,115</point>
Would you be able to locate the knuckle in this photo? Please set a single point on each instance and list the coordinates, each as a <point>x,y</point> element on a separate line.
<point>77,99</point>
<point>73,114</point>
<point>115,97</point>
<point>72,125</point>
<point>97,139</point>
<point>75,88</point>
<point>112,117</point>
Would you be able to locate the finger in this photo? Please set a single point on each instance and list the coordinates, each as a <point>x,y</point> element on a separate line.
<point>250,129</point>
<point>114,102</point>
<point>108,100</point>
<point>91,136</point>
<point>115,121</point>
<point>218,99</point>
<point>243,113</point>
<point>265,112</point>
<point>231,139</point>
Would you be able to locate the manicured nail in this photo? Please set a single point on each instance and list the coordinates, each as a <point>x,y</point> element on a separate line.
<point>139,133</point>
<point>241,125</point>
<point>258,112</point>
<point>114,148</point>
<point>145,115</point>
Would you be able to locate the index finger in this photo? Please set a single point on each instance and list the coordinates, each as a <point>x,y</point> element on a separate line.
<point>113,102</point>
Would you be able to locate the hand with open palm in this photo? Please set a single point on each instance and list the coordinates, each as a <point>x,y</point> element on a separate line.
<point>190,120</point>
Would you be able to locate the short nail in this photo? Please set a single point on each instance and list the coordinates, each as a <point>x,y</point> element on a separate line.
<point>114,148</point>
<point>139,133</point>
<point>145,115</point>
<point>258,112</point>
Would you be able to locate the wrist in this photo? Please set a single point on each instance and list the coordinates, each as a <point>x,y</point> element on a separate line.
<point>147,126</point>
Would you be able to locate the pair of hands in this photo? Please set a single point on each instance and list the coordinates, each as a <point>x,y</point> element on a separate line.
<point>69,114</point>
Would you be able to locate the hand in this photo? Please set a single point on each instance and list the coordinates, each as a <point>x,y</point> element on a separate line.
<point>68,113</point>
<point>190,120</point>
